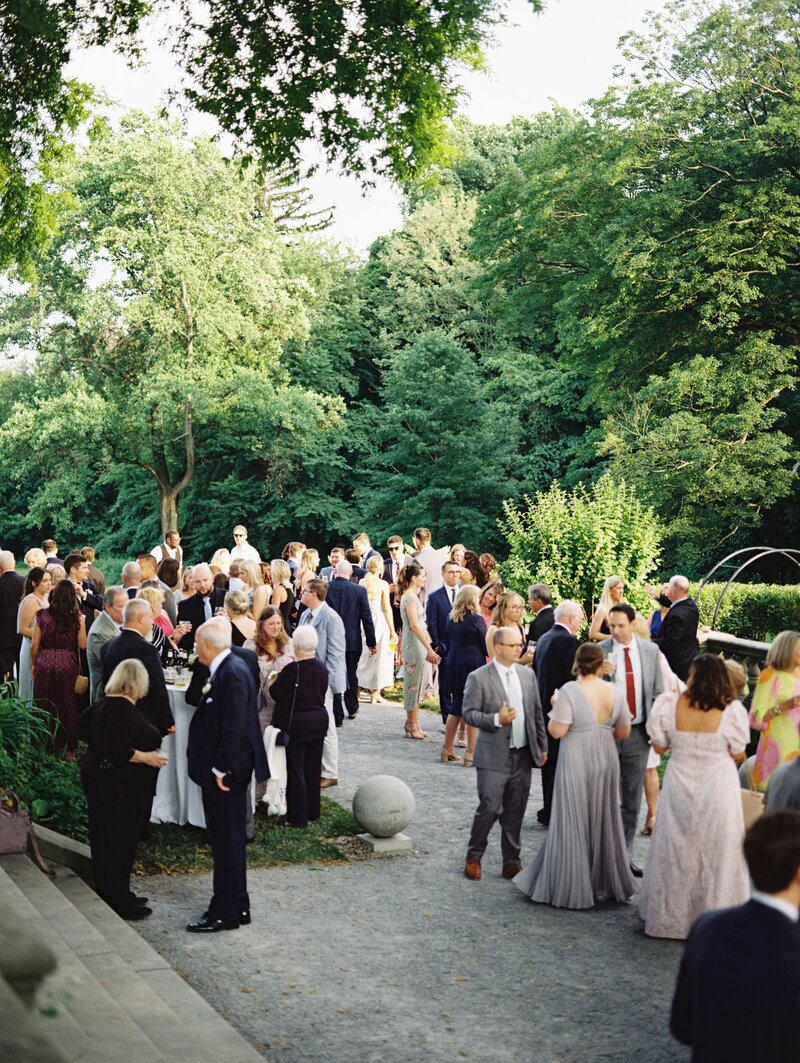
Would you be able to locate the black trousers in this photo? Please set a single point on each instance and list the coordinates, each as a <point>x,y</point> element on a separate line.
<point>226,815</point>
<point>303,768</point>
<point>445,701</point>
<point>350,696</point>
<point>114,827</point>
<point>9,662</point>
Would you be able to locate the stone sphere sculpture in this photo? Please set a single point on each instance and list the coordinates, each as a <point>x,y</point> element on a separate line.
<point>383,806</point>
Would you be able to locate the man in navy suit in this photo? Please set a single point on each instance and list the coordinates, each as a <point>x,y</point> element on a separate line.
<point>350,601</point>
<point>738,992</point>
<point>555,655</point>
<point>225,748</point>
<point>133,643</point>
<point>437,612</point>
<point>677,636</point>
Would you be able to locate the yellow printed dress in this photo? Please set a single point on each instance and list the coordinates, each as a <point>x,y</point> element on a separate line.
<point>780,736</point>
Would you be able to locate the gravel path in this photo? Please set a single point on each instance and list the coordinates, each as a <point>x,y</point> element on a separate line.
<point>404,958</point>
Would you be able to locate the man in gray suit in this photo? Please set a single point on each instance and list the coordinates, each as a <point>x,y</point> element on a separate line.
<point>502,700</point>
<point>105,628</point>
<point>634,665</point>
<point>331,651</point>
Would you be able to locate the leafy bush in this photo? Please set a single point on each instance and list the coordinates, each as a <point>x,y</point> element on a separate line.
<point>575,541</point>
<point>49,785</point>
<point>751,610</point>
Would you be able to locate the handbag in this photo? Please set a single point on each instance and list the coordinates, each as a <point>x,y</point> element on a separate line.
<point>752,799</point>
<point>282,738</point>
<point>16,830</point>
<point>81,680</point>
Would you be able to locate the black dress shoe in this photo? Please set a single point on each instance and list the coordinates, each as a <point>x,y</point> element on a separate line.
<point>138,900</point>
<point>136,912</point>
<point>636,871</point>
<point>352,715</point>
<point>244,917</point>
<point>212,926</point>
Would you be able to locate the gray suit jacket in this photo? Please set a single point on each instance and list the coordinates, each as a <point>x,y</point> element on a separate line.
<point>652,684</point>
<point>483,696</point>
<point>331,645</point>
<point>103,630</point>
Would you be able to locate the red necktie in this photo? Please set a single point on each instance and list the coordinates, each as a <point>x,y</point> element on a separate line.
<point>630,686</point>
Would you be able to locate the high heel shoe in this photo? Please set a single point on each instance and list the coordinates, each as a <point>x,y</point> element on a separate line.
<point>647,829</point>
<point>467,761</point>
<point>448,756</point>
<point>410,733</point>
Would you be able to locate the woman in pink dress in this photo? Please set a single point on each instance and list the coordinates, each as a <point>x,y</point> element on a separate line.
<point>696,860</point>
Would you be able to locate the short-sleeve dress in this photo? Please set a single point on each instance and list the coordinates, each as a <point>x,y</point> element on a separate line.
<point>584,859</point>
<point>696,862</point>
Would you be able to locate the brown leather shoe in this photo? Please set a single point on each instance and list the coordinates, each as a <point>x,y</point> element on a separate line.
<point>472,869</point>
<point>325,783</point>
<point>510,872</point>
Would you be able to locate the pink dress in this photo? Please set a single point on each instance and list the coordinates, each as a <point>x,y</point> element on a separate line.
<point>696,861</point>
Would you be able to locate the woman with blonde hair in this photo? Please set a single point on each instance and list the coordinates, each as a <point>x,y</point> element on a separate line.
<point>307,569</point>
<point>508,613</point>
<point>236,608</point>
<point>612,594</point>
<point>282,592</point>
<point>376,670</point>
<point>187,583</point>
<point>466,651</point>
<point>221,561</point>
<point>253,586</point>
<point>775,710</point>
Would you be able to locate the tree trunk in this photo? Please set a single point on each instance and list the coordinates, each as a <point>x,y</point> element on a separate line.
<point>168,491</point>
<point>168,502</point>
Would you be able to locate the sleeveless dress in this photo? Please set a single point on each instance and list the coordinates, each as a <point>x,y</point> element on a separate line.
<point>376,670</point>
<point>696,860</point>
<point>584,859</point>
<point>54,681</point>
<point>414,656</point>
<point>25,677</point>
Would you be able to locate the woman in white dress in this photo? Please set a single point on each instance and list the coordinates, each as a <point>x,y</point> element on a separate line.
<point>37,588</point>
<point>376,670</point>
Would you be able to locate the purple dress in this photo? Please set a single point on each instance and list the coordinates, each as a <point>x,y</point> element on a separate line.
<point>54,678</point>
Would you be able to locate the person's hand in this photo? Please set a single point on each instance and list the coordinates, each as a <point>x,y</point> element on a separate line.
<point>152,758</point>
<point>433,657</point>
<point>527,657</point>
<point>506,714</point>
<point>609,667</point>
<point>372,650</point>
<point>654,592</point>
<point>544,759</point>
<point>221,784</point>
<point>171,730</point>
<point>79,589</point>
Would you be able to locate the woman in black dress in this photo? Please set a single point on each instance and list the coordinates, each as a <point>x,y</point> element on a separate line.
<point>303,682</point>
<point>119,776</point>
<point>466,651</point>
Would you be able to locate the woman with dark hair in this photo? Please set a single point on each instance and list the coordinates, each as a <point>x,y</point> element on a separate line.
<point>472,564</point>
<point>584,859</point>
<point>37,588</point>
<point>417,648</point>
<point>169,571</point>
<point>489,566</point>
<point>696,860</point>
<point>59,634</point>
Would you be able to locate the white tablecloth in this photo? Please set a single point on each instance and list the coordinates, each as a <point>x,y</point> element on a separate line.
<point>178,799</point>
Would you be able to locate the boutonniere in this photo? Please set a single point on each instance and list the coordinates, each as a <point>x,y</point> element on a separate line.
<point>272,675</point>
<point>206,688</point>
<point>193,657</point>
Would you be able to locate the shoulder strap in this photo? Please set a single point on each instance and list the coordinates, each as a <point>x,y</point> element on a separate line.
<point>294,698</point>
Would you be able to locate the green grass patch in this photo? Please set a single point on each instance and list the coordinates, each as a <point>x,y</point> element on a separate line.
<point>172,850</point>
<point>395,693</point>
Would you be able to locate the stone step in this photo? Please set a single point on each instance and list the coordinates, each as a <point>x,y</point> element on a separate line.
<point>21,1037</point>
<point>218,1039</point>
<point>88,1026</point>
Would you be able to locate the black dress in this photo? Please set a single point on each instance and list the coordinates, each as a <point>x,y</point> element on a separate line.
<point>466,651</point>
<point>287,610</point>
<point>118,794</point>
<point>307,734</point>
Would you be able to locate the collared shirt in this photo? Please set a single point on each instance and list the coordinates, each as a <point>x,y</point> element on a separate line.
<point>513,689</point>
<point>245,552</point>
<point>617,655</point>
<point>784,907</point>
<point>451,594</point>
<point>117,627</point>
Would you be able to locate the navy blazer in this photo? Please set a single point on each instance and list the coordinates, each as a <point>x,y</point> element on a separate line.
<point>677,636</point>
<point>437,614</point>
<point>154,706</point>
<point>738,990</point>
<point>350,601</point>
<point>200,673</point>
<point>225,732</point>
<point>555,656</point>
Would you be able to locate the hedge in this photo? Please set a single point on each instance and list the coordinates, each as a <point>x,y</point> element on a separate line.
<point>751,610</point>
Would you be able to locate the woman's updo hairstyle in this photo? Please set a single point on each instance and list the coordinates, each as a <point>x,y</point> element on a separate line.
<point>588,659</point>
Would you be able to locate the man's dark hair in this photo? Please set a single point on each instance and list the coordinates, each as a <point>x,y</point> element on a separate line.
<point>451,564</point>
<point>623,607</point>
<point>542,592</point>
<point>353,556</point>
<point>394,539</point>
<point>73,559</point>
<point>772,850</point>
<point>49,546</point>
<point>423,535</point>
<point>146,557</point>
<point>318,587</point>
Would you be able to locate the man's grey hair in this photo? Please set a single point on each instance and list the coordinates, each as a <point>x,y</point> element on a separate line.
<point>344,568</point>
<point>7,561</point>
<point>305,638</point>
<point>111,593</point>
<point>681,582</point>
<point>135,609</point>
<point>540,591</point>
<point>567,609</point>
<point>215,634</point>
<point>132,570</point>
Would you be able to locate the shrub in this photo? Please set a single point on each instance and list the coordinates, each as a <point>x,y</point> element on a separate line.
<point>575,541</point>
<point>751,610</point>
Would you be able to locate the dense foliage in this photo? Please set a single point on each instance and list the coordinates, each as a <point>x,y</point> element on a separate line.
<point>575,298</point>
<point>750,610</point>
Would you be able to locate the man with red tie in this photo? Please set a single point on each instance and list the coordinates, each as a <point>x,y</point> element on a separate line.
<point>632,663</point>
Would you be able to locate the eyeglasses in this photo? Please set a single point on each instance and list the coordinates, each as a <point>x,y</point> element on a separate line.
<point>517,645</point>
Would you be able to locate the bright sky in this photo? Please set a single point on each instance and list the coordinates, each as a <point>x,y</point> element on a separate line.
<point>566,54</point>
